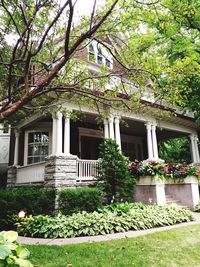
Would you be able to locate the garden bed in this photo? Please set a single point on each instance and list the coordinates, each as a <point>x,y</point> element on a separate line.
<point>111,219</point>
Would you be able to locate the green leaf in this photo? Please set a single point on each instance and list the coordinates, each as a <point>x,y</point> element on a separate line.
<point>23,263</point>
<point>4,251</point>
<point>10,236</point>
<point>22,252</point>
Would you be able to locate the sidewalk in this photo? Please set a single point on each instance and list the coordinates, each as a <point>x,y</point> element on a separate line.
<point>108,237</point>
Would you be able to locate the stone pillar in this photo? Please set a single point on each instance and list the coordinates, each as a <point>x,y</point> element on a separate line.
<point>67,136</point>
<point>117,132</point>
<point>106,129</point>
<point>59,133</point>
<point>149,140</point>
<point>61,171</point>
<point>54,127</point>
<point>11,176</point>
<point>193,149</point>
<point>16,152</point>
<point>111,128</point>
<point>154,141</point>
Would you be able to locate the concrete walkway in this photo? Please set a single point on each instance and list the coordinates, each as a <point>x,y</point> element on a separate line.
<point>108,237</point>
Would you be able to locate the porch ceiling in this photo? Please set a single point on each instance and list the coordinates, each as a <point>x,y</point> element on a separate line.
<point>132,127</point>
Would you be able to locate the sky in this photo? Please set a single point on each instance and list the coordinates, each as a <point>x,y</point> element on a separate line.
<point>82,7</point>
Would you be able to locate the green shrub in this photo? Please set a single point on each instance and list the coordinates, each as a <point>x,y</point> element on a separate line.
<point>114,173</point>
<point>32,200</point>
<point>135,217</point>
<point>80,199</point>
<point>12,254</point>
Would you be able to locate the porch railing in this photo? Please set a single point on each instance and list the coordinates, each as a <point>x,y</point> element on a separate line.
<point>87,169</point>
<point>33,173</point>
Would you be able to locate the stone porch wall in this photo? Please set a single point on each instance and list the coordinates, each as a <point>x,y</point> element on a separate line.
<point>153,191</point>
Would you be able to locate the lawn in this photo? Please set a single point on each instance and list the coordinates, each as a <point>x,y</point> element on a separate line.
<point>180,247</point>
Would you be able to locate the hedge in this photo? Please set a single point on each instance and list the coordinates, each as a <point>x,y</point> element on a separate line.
<point>32,200</point>
<point>80,199</point>
<point>38,200</point>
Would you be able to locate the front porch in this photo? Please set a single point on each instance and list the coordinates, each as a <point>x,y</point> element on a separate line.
<point>59,152</point>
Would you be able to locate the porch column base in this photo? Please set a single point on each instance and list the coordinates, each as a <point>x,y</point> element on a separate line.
<point>61,171</point>
<point>150,191</point>
<point>11,176</point>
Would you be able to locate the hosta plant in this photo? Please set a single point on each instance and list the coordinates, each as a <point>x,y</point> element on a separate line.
<point>111,219</point>
<point>12,254</point>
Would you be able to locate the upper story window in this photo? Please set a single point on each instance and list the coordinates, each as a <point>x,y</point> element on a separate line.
<point>108,63</point>
<point>38,146</point>
<point>99,54</point>
<point>91,53</point>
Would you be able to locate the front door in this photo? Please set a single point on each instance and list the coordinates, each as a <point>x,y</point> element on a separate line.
<point>90,147</point>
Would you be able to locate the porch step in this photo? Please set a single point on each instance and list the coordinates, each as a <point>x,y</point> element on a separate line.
<point>172,201</point>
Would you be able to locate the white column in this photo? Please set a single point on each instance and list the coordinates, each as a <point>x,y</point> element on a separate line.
<point>111,128</point>
<point>193,150</point>
<point>59,133</point>
<point>67,136</point>
<point>117,132</point>
<point>54,127</point>
<point>149,140</point>
<point>16,152</point>
<point>196,148</point>
<point>106,129</point>
<point>154,141</point>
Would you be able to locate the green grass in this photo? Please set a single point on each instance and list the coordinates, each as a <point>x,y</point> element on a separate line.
<point>180,247</point>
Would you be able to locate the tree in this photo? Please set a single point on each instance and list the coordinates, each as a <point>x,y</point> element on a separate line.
<point>155,44</point>
<point>45,38</point>
<point>175,150</point>
<point>40,65</point>
<point>166,35</point>
<point>114,173</point>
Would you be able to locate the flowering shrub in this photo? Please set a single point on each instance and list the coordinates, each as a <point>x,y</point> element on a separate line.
<point>160,169</point>
<point>147,167</point>
<point>180,170</point>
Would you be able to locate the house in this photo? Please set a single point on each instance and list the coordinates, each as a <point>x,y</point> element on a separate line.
<point>4,153</point>
<point>54,150</point>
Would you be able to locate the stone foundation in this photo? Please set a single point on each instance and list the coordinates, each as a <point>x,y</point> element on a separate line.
<point>61,171</point>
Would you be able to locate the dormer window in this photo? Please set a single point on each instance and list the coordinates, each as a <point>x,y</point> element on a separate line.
<point>97,53</point>
<point>99,57</point>
<point>91,53</point>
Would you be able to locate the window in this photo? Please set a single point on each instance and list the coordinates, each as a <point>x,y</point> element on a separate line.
<point>91,53</point>
<point>108,63</point>
<point>99,56</point>
<point>38,145</point>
